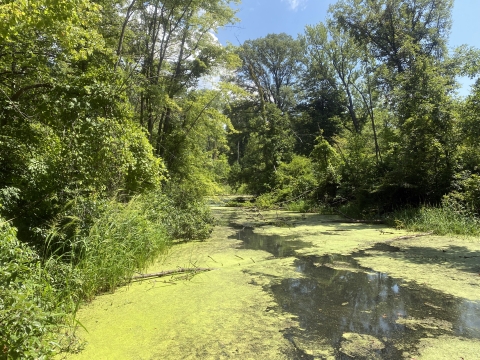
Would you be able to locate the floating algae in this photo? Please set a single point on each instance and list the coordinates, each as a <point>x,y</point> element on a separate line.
<point>218,314</point>
<point>361,347</point>
<point>447,348</point>
<point>304,291</point>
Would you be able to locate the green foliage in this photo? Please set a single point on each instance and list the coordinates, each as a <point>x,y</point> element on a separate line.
<point>125,238</point>
<point>270,145</point>
<point>466,193</point>
<point>27,301</point>
<point>272,64</point>
<point>66,126</point>
<point>295,179</point>
<point>396,30</point>
<point>445,220</point>
<point>182,212</point>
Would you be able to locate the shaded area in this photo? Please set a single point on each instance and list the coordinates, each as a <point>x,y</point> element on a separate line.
<point>458,257</point>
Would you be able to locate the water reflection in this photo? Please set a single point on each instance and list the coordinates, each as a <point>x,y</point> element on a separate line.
<point>278,246</point>
<point>334,295</point>
<point>330,302</point>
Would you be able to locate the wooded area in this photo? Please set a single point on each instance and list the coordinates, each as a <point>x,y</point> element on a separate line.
<point>117,118</point>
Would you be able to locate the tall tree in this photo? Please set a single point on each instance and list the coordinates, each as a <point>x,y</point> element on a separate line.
<point>173,48</point>
<point>270,68</point>
<point>397,30</point>
<point>335,58</point>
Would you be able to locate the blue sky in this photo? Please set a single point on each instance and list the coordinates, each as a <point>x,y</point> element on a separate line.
<point>261,17</point>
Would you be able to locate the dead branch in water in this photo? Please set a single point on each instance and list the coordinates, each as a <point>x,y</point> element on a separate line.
<point>406,237</point>
<point>355,221</point>
<point>171,272</point>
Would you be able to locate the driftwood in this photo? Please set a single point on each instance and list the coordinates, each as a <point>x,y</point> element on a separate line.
<point>354,221</point>
<point>171,272</point>
<point>406,237</point>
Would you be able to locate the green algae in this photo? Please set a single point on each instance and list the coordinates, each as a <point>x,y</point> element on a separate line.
<point>218,314</point>
<point>446,348</point>
<point>427,323</point>
<point>318,349</point>
<point>360,346</point>
<point>326,233</point>
<point>447,264</point>
<point>227,312</point>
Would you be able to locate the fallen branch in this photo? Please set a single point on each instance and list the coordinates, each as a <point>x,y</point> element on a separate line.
<point>406,237</point>
<point>171,272</point>
<point>355,221</point>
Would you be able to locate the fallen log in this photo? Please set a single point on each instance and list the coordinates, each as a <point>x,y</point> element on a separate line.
<point>406,237</point>
<point>354,221</point>
<point>171,272</point>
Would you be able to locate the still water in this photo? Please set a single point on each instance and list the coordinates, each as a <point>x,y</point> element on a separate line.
<point>333,295</point>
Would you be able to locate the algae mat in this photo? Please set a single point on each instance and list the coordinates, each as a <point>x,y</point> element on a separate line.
<point>273,295</point>
<point>213,315</point>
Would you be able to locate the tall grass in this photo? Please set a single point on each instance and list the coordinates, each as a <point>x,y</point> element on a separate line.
<point>443,220</point>
<point>125,239</point>
<point>88,252</point>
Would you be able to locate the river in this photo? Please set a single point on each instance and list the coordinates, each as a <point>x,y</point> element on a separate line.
<point>285,285</point>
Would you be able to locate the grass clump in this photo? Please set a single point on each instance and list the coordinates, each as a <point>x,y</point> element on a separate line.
<point>126,238</point>
<point>447,219</point>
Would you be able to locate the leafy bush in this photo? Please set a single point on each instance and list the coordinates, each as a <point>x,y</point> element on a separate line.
<point>296,178</point>
<point>466,193</point>
<point>183,213</point>
<point>27,302</point>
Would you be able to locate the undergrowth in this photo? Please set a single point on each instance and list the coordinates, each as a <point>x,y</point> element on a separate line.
<point>41,289</point>
<point>440,220</point>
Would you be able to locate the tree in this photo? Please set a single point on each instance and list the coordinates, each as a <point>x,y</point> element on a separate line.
<point>173,48</point>
<point>397,30</point>
<point>270,144</point>
<point>66,128</point>
<point>270,67</point>
<point>335,58</point>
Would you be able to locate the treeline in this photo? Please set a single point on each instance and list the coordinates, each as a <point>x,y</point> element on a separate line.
<point>360,113</point>
<point>108,144</point>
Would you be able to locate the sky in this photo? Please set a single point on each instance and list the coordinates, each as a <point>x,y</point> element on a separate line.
<point>261,17</point>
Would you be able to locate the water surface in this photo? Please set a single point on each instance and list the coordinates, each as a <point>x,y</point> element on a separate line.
<point>333,295</point>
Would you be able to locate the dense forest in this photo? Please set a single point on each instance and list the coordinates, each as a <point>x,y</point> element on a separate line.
<point>119,118</point>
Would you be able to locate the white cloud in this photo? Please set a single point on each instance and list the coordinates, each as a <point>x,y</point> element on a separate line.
<point>295,4</point>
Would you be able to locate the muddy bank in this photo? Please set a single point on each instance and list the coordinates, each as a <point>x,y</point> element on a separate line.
<point>293,286</point>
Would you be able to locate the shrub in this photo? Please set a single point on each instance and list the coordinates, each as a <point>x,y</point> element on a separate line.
<point>27,301</point>
<point>182,212</point>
